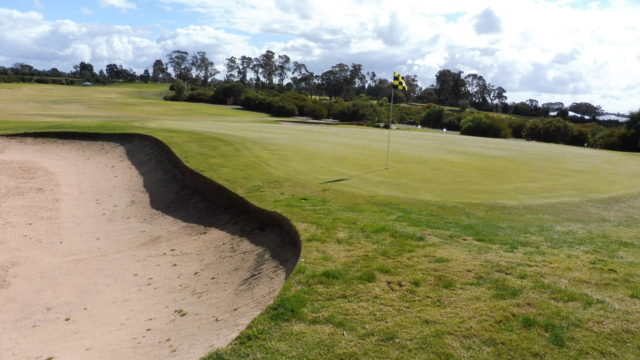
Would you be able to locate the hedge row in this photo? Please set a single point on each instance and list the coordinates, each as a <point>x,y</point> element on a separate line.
<point>552,130</point>
<point>38,79</point>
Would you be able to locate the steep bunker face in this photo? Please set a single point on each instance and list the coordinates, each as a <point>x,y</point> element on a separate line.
<point>111,248</point>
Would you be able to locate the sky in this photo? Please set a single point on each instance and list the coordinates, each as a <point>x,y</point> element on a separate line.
<point>549,50</point>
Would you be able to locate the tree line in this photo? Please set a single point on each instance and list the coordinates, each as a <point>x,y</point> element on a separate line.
<point>273,83</point>
<point>277,72</point>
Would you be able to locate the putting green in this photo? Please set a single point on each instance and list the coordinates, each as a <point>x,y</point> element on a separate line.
<point>429,165</point>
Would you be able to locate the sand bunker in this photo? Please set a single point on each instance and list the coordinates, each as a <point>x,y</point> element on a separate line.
<point>115,250</point>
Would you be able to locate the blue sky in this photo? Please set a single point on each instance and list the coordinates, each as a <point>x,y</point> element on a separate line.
<point>550,50</point>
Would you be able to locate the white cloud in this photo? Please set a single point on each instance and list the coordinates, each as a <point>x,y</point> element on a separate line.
<point>487,22</point>
<point>86,11</point>
<point>120,4</point>
<point>27,37</point>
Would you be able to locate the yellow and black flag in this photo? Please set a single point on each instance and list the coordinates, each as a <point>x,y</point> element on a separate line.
<point>398,82</point>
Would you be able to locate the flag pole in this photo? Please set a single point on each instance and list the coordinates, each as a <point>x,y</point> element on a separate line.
<point>386,167</point>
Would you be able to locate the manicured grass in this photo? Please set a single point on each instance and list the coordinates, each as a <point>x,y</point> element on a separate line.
<point>465,248</point>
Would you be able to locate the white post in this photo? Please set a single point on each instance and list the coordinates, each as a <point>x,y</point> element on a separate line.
<point>386,167</point>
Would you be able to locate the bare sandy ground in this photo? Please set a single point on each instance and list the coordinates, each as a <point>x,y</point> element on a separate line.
<point>104,259</point>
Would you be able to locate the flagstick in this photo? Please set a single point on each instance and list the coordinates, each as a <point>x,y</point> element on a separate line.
<point>386,167</point>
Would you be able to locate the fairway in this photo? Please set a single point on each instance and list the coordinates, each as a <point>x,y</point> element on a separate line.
<point>423,165</point>
<point>464,248</point>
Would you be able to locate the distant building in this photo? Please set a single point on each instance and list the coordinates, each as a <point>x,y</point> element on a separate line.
<point>605,117</point>
<point>612,117</point>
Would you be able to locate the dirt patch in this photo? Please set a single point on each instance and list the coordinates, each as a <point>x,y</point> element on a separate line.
<point>114,249</point>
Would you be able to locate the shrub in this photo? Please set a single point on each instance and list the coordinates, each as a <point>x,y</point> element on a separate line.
<point>433,117</point>
<point>479,125</point>
<point>201,96</point>
<point>253,100</point>
<point>314,111</point>
<point>342,110</point>
<point>517,126</point>
<point>228,94</point>
<point>548,130</point>
<point>359,110</point>
<point>579,136</point>
<point>283,108</point>
<point>452,120</point>
<point>615,139</point>
<point>365,111</point>
<point>409,114</point>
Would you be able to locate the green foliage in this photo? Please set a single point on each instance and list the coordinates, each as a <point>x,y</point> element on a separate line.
<point>314,110</point>
<point>479,125</point>
<point>463,104</point>
<point>283,108</point>
<point>633,123</point>
<point>228,94</point>
<point>452,120</point>
<point>271,103</point>
<point>433,117</point>
<point>180,91</point>
<point>517,126</point>
<point>201,96</point>
<point>360,109</point>
<point>621,139</point>
<point>306,106</point>
<point>552,130</point>
<point>408,114</point>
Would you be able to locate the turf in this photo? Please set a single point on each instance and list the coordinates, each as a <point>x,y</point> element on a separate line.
<point>464,248</point>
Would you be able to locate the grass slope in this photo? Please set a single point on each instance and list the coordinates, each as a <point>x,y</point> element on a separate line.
<point>464,248</point>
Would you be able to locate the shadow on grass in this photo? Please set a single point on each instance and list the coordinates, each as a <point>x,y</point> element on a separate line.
<point>352,176</point>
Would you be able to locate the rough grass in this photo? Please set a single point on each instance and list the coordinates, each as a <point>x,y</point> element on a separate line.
<point>465,248</point>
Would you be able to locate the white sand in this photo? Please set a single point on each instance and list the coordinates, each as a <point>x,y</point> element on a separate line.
<point>89,269</point>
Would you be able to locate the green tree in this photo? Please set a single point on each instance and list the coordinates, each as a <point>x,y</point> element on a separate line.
<point>450,87</point>
<point>586,109</point>
<point>283,67</point>
<point>231,63</point>
<point>84,71</point>
<point>267,67</point>
<point>302,79</point>
<point>246,65</point>
<point>633,124</point>
<point>203,68</point>
<point>478,90</point>
<point>180,89</point>
<point>159,72</point>
<point>145,76</point>
<point>336,80</point>
<point>634,121</point>
<point>178,61</point>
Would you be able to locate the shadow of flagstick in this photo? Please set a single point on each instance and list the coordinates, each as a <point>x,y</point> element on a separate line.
<point>352,176</point>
